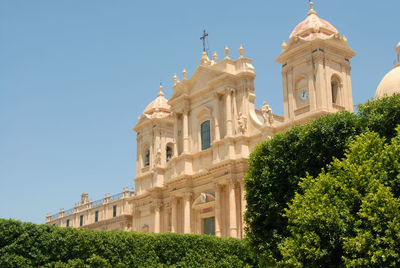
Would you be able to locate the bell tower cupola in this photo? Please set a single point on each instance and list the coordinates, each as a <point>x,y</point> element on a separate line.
<point>154,143</point>
<point>315,70</point>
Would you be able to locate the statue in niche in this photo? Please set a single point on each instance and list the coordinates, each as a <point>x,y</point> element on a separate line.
<point>145,228</point>
<point>203,197</point>
<point>158,157</point>
<point>266,112</point>
<point>242,123</point>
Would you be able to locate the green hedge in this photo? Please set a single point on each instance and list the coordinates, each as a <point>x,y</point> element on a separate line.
<point>30,245</point>
<point>276,166</point>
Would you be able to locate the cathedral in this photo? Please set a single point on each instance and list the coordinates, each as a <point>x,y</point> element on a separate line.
<point>192,149</point>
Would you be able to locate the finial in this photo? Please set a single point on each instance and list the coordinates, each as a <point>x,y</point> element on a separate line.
<point>241,51</point>
<point>226,51</point>
<point>175,79</point>
<point>215,56</point>
<point>204,58</point>
<point>161,93</point>
<point>398,54</point>
<point>284,45</point>
<point>312,11</point>
<point>184,74</point>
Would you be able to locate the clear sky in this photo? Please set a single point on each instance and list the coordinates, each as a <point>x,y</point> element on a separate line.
<point>75,75</point>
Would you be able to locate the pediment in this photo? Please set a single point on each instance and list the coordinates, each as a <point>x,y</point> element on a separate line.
<point>201,77</point>
<point>204,112</point>
<point>197,82</point>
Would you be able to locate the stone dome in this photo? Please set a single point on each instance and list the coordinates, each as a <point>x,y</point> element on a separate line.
<point>313,25</point>
<point>158,107</point>
<point>390,83</point>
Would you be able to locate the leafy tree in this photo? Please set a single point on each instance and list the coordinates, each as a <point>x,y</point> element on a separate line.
<point>348,215</point>
<point>381,115</point>
<point>275,168</point>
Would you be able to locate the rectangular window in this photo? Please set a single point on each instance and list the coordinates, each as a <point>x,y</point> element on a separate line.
<point>67,222</point>
<point>114,210</point>
<point>205,135</point>
<point>81,221</point>
<point>96,216</point>
<point>209,226</point>
<point>147,157</point>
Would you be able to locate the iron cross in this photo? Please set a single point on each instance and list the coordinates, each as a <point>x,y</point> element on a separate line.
<point>204,40</point>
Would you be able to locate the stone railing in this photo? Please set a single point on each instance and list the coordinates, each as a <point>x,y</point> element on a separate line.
<point>78,207</point>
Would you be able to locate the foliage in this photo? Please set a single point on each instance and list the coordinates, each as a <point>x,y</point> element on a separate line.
<point>381,115</point>
<point>348,215</point>
<point>30,245</point>
<point>275,168</point>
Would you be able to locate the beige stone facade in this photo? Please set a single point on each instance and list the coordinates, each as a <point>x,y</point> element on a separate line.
<point>192,149</point>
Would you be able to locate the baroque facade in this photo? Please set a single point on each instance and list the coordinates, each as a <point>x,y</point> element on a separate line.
<point>192,149</point>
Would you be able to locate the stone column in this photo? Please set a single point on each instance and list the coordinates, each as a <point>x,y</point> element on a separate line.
<point>173,215</point>
<point>175,134</point>
<point>218,210</point>
<point>216,116</point>
<point>185,132</point>
<point>157,219</point>
<point>244,204</point>
<point>232,210</point>
<point>187,213</point>
<point>228,102</point>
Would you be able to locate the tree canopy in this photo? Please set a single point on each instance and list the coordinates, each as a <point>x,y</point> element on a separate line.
<point>350,213</point>
<point>276,166</point>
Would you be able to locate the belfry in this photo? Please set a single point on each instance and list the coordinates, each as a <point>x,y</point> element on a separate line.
<point>192,149</point>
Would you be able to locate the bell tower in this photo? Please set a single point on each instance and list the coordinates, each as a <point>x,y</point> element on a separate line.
<point>315,70</point>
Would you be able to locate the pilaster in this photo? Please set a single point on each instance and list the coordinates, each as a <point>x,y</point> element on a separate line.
<point>232,209</point>
<point>187,213</point>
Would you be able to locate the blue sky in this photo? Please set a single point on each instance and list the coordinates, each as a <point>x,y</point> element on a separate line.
<point>75,75</point>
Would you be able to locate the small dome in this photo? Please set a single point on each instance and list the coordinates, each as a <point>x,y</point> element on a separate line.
<point>313,25</point>
<point>390,83</point>
<point>158,107</point>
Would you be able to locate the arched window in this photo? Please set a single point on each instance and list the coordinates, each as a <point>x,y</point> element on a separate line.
<point>147,157</point>
<point>335,82</point>
<point>205,135</point>
<point>169,152</point>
